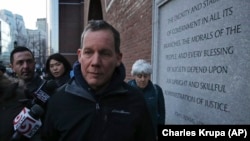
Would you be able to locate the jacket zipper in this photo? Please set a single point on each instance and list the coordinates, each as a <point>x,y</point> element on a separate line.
<point>97,106</point>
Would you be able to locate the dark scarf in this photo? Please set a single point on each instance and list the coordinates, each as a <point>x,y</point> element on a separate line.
<point>62,79</point>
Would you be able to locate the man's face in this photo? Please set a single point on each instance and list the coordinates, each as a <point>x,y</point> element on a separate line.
<point>23,65</point>
<point>98,58</point>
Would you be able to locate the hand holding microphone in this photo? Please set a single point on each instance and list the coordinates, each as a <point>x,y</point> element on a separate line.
<point>27,122</point>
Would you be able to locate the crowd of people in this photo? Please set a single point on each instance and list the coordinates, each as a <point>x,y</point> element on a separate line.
<point>90,101</point>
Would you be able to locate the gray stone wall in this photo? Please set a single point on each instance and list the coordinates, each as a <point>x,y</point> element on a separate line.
<point>201,59</point>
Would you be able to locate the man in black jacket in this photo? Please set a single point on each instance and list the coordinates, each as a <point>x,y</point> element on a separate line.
<point>15,90</point>
<point>97,104</point>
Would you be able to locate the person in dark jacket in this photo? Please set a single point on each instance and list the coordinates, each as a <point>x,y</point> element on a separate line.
<point>97,104</point>
<point>10,92</point>
<point>23,65</point>
<point>58,69</point>
<point>2,70</point>
<point>141,71</point>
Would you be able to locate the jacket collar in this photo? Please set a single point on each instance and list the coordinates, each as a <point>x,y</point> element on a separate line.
<point>80,85</point>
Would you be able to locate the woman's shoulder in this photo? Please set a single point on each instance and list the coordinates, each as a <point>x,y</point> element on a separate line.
<point>156,85</point>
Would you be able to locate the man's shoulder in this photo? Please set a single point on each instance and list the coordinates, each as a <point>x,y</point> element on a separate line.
<point>62,89</point>
<point>34,83</point>
<point>133,90</point>
<point>130,81</point>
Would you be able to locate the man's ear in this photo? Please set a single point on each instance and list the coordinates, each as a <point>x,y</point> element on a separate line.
<point>119,59</point>
<point>79,54</point>
<point>11,66</point>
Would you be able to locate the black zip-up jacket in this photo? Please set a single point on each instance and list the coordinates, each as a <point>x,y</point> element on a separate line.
<point>119,113</point>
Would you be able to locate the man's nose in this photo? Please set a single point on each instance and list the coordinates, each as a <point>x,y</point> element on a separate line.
<point>25,64</point>
<point>96,59</point>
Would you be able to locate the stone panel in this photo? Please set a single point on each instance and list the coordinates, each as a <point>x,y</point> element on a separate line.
<point>201,60</point>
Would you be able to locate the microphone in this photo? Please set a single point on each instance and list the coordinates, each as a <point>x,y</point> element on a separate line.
<point>42,93</point>
<point>27,122</point>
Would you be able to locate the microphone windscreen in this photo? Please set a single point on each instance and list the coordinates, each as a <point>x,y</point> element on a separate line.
<point>36,111</point>
<point>50,86</point>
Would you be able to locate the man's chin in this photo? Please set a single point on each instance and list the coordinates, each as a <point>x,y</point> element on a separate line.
<point>95,84</point>
<point>26,78</point>
<point>142,86</point>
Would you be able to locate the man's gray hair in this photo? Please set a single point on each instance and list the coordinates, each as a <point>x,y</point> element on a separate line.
<point>141,67</point>
<point>97,25</point>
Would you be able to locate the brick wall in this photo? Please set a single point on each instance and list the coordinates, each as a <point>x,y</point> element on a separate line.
<point>133,18</point>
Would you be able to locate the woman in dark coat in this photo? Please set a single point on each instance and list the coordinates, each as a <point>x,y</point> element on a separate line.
<point>58,68</point>
<point>141,71</point>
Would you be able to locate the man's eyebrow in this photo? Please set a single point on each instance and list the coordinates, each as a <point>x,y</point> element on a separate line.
<point>24,60</point>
